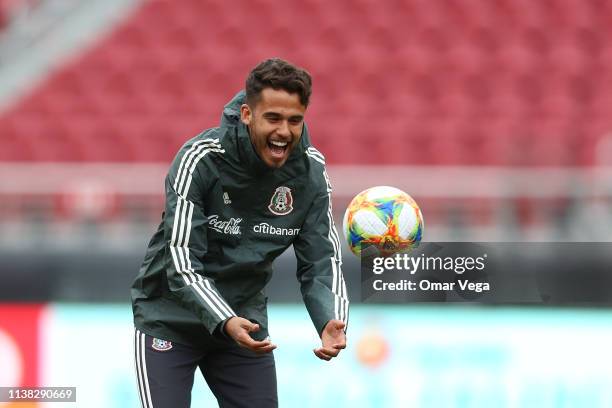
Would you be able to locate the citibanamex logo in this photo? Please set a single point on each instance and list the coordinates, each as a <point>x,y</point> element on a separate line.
<point>230,227</point>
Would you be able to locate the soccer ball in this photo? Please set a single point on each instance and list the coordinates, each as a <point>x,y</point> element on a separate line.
<point>384,217</point>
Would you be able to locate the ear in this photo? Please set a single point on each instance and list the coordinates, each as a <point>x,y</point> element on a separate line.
<point>245,114</point>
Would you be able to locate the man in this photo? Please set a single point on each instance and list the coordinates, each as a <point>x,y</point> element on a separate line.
<point>236,197</point>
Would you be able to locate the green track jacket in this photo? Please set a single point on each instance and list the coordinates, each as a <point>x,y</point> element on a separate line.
<point>227,217</point>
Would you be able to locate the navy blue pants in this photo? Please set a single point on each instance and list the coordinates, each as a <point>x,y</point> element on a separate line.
<point>237,377</point>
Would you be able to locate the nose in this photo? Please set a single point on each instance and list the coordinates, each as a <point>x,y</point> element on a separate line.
<point>283,129</point>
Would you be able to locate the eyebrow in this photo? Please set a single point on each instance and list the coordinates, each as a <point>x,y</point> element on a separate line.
<point>275,115</point>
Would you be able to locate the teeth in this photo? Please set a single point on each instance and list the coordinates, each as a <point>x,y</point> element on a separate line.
<point>279,144</point>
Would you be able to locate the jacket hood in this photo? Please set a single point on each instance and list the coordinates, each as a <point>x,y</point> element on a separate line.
<point>231,111</point>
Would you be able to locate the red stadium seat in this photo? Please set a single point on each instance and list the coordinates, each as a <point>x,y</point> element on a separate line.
<point>510,82</point>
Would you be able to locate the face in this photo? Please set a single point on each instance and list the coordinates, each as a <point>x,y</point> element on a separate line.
<point>275,125</point>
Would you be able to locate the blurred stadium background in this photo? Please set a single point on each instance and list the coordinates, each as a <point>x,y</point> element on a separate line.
<point>494,115</point>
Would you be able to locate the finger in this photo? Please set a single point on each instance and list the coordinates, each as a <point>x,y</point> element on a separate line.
<point>330,352</point>
<point>265,345</point>
<point>264,350</point>
<point>321,355</point>
<point>260,350</point>
<point>248,342</point>
<point>338,341</point>
<point>250,327</point>
<point>251,343</point>
<point>339,346</point>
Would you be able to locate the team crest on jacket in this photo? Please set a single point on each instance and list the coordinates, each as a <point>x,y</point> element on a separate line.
<point>161,345</point>
<point>281,202</point>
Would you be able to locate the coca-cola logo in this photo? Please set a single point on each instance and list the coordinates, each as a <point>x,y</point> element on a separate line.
<point>231,226</point>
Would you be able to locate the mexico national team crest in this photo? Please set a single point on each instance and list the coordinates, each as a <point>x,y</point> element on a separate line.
<point>161,345</point>
<point>281,202</point>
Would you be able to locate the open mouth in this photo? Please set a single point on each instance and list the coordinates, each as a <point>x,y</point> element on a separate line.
<point>277,148</point>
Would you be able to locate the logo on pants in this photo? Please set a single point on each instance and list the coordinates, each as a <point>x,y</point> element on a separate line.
<point>161,345</point>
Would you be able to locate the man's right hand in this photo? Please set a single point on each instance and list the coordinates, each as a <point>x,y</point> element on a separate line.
<point>239,328</point>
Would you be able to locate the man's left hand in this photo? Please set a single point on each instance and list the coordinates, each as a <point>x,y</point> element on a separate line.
<point>333,340</point>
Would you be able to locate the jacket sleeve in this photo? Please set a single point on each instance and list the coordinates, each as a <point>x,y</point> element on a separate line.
<point>185,227</point>
<point>319,261</point>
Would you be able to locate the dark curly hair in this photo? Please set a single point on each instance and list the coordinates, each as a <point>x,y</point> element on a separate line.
<point>278,74</point>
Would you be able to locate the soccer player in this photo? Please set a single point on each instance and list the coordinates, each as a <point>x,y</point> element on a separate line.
<point>236,197</point>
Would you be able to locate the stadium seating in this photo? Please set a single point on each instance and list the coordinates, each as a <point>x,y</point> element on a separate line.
<point>478,83</point>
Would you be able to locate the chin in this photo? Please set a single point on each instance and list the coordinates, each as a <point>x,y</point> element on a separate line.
<point>276,165</point>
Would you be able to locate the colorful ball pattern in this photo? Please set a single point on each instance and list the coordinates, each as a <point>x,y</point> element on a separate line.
<point>386,218</point>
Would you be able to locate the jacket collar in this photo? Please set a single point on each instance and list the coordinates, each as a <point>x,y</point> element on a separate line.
<point>247,151</point>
